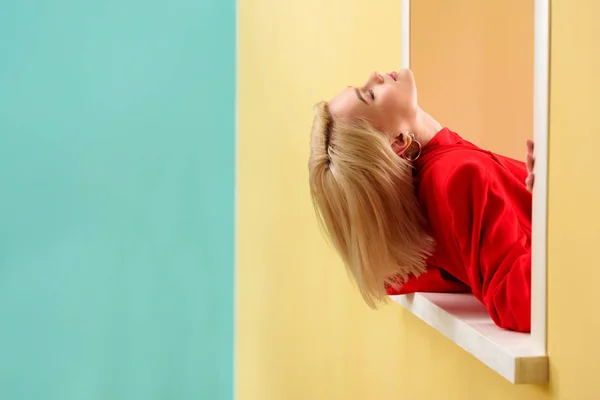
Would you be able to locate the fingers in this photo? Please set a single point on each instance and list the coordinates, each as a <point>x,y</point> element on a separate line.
<point>530,146</point>
<point>530,156</point>
<point>529,182</point>
<point>530,163</point>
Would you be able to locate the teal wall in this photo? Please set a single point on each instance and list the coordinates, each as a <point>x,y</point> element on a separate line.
<point>117,199</point>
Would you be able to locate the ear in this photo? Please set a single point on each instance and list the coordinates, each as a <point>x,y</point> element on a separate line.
<point>400,144</point>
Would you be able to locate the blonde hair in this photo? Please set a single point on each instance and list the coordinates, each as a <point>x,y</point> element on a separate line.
<point>365,202</point>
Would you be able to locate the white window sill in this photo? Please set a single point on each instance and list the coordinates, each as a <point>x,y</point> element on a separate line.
<point>465,321</point>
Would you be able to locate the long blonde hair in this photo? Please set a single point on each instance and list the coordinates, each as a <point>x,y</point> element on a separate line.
<point>365,202</point>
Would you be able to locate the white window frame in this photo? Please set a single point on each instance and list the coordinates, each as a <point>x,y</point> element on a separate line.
<point>520,358</point>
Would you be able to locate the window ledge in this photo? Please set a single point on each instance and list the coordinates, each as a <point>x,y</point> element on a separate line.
<point>465,321</point>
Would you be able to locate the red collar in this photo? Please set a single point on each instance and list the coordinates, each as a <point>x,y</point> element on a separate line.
<point>444,141</point>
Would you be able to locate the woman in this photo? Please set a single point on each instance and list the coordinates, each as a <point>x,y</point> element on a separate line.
<point>412,207</point>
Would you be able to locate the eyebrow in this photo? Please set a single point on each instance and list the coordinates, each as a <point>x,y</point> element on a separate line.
<point>360,96</point>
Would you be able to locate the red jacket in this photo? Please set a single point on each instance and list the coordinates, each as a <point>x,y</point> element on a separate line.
<point>479,213</point>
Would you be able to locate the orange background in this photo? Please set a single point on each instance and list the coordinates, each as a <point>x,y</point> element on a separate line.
<point>473,61</point>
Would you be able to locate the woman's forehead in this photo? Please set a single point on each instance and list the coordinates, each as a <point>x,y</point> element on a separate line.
<point>345,104</point>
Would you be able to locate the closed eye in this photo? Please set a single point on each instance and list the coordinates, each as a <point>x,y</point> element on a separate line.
<point>372,94</point>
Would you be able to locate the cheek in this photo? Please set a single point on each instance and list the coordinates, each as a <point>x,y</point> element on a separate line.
<point>392,101</point>
<point>400,99</point>
<point>388,117</point>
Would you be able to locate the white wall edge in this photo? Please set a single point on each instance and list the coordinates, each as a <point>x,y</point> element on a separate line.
<point>405,39</point>
<point>539,234</point>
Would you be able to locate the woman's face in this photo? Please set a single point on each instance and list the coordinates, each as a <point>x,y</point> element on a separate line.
<point>387,101</point>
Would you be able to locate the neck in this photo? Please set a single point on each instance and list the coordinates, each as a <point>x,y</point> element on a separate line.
<point>424,127</point>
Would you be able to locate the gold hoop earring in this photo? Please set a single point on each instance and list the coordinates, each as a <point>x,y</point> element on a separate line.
<point>415,155</point>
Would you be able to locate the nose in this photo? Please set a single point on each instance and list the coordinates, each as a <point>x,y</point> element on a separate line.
<point>374,78</point>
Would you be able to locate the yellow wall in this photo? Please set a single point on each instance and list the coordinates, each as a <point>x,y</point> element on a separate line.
<point>302,331</point>
<point>574,222</point>
<point>473,61</point>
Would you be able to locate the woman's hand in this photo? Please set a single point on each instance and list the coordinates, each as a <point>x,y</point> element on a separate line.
<point>530,164</point>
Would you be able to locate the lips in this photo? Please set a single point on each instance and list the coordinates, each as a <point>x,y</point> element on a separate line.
<point>394,75</point>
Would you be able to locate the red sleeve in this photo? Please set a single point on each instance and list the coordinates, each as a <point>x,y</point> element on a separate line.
<point>492,244</point>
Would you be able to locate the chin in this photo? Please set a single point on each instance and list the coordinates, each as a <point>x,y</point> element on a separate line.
<point>406,72</point>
